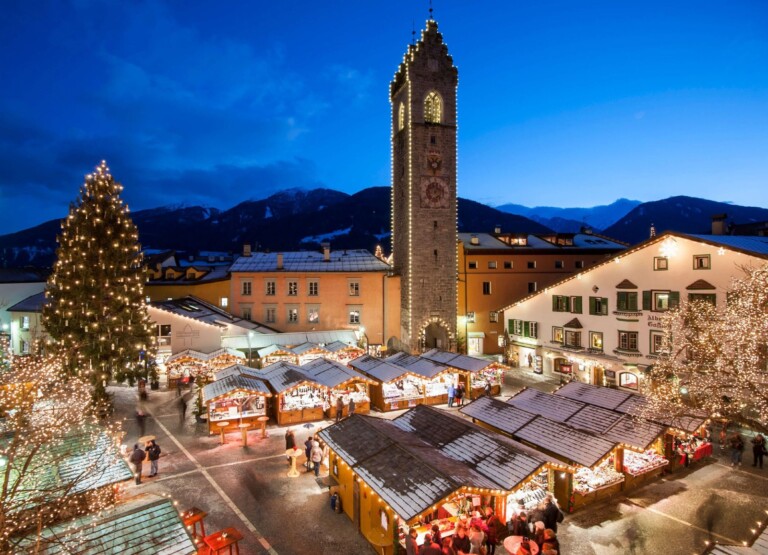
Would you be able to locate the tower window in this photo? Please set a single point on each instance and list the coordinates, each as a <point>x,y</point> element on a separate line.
<point>401,117</point>
<point>433,108</point>
<point>432,140</point>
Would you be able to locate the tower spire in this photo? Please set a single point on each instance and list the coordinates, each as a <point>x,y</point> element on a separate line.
<point>430,11</point>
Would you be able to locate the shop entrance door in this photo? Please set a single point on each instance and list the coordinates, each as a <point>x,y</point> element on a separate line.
<point>356,503</point>
<point>597,376</point>
<point>475,346</point>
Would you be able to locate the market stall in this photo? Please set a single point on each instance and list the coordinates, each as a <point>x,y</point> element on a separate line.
<point>343,382</point>
<point>475,372</point>
<point>393,387</point>
<point>276,353</point>
<point>411,472</point>
<point>435,377</point>
<point>191,365</point>
<point>298,396</point>
<point>307,352</point>
<point>342,352</point>
<point>236,398</point>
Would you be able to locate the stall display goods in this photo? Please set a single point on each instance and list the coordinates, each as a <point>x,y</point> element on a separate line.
<point>402,390</point>
<point>636,464</point>
<point>304,397</point>
<point>587,480</point>
<point>229,408</point>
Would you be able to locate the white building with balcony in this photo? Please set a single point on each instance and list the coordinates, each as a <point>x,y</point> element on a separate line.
<point>602,326</point>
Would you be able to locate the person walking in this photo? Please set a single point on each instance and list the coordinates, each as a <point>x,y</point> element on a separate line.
<point>451,393</point>
<point>459,394</point>
<point>758,450</point>
<point>737,448</point>
<point>141,419</point>
<point>496,531</point>
<point>317,456</point>
<point>153,452</point>
<point>308,452</point>
<point>182,410</point>
<point>290,442</point>
<point>552,514</point>
<point>461,541</point>
<point>411,547</point>
<point>351,406</point>
<point>339,408</point>
<point>137,458</point>
<point>487,389</point>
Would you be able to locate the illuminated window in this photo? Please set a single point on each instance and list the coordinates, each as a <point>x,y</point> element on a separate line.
<point>293,288</point>
<point>702,262</point>
<point>493,316</point>
<point>628,340</point>
<point>470,317</point>
<point>596,340</point>
<point>270,287</point>
<point>354,315</point>
<point>657,342</point>
<point>293,315</point>
<point>628,380</point>
<point>401,117</point>
<point>557,334</point>
<point>224,303</point>
<point>25,323</point>
<point>313,314</point>
<point>433,108</point>
<point>354,288</point>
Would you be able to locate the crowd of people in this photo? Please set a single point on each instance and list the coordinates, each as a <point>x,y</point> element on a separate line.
<point>526,533</point>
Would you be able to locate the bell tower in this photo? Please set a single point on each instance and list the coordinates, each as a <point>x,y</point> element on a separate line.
<point>424,200</point>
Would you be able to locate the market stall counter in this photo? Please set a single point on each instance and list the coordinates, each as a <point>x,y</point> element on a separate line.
<point>478,371</point>
<point>298,396</point>
<point>343,382</point>
<point>435,377</point>
<point>343,352</point>
<point>237,398</point>
<point>393,387</point>
<point>190,365</point>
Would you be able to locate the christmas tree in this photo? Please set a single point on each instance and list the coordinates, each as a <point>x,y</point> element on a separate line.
<point>95,310</point>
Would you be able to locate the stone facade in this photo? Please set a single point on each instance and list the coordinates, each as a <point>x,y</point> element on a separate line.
<point>424,199</point>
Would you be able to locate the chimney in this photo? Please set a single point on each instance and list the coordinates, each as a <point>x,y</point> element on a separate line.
<point>718,224</point>
<point>247,249</point>
<point>586,230</point>
<point>279,261</point>
<point>473,240</point>
<point>326,251</point>
<point>497,229</point>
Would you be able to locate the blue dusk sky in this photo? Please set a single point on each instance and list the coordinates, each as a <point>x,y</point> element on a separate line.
<point>560,103</point>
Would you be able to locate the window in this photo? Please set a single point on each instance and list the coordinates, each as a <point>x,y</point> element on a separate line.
<point>163,330</point>
<point>473,265</point>
<point>710,298</point>
<point>493,316</point>
<point>628,380</point>
<point>433,108</point>
<point>401,117</point>
<point>559,264</point>
<point>659,301</point>
<point>557,334</point>
<point>598,306</point>
<point>354,315</point>
<point>270,287</point>
<point>660,263</point>
<point>270,314</point>
<point>579,264</point>
<point>628,340</point>
<point>354,288</point>
<point>561,303</point>
<point>25,323</point>
<point>486,288</point>
<point>573,338</point>
<point>515,327</point>
<point>313,287</point>
<point>470,317</point>
<point>531,264</point>
<point>313,314</point>
<point>224,302</point>
<point>24,347</point>
<point>576,305</point>
<point>292,314</point>
<point>657,342</point>
<point>596,340</point>
<point>531,329</point>
<point>626,300</point>
<point>246,287</point>
<point>245,312</point>
<point>507,264</point>
<point>532,287</point>
<point>702,262</point>
<point>491,264</point>
<point>293,288</point>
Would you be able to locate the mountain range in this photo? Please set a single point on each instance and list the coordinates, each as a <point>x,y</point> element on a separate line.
<point>297,219</point>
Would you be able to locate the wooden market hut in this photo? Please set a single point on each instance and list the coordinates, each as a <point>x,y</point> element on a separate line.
<point>426,467</point>
<point>476,371</point>
<point>435,376</point>
<point>342,352</point>
<point>134,526</point>
<point>343,381</point>
<point>394,387</point>
<point>307,352</point>
<point>199,365</point>
<point>237,396</point>
<point>298,397</point>
<point>276,353</point>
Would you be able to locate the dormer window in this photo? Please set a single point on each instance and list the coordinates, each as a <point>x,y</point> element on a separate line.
<point>433,108</point>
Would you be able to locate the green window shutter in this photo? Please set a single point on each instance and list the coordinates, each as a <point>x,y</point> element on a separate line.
<point>674,299</point>
<point>567,304</point>
<point>646,300</point>
<point>511,327</point>
<point>605,306</point>
<point>526,329</point>
<point>554,303</point>
<point>576,305</point>
<point>592,307</point>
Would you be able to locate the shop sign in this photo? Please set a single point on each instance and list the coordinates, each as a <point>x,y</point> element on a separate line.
<point>566,368</point>
<point>610,374</point>
<point>654,321</point>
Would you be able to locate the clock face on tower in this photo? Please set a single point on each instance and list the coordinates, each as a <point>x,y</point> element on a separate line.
<point>434,192</point>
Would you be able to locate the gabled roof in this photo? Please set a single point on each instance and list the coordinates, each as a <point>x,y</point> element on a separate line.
<point>498,414</point>
<point>747,244</point>
<point>573,324</point>
<point>332,373</point>
<point>282,376</point>
<point>307,347</point>
<point>626,284</point>
<point>569,443</point>
<point>237,369</point>
<point>145,524</point>
<point>33,303</point>
<point>261,340</point>
<point>605,397</point>
<point>340,346</point>
<point>353,260</point>
<point>417,365</point>
<point>545,404</point>
<point>454,360</point>
<point>700,284</point>
<point>224,385</point>
<point>204,312</point>
<point>378,368</point>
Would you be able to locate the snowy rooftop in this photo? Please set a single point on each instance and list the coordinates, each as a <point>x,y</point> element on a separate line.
<point>486,241</point>
<point>357,260</point>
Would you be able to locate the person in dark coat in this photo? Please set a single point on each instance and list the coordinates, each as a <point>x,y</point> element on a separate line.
<point>137,458</point>
<point>487,389</point>
<point>290,442</point>
<point>339,408</point>
<point>537,515</point>
<point>411,547</point>
<point>436,536</point>
<point>153,453</point>
<point>758,450</point>
<point>461,542</point>
<point>459,393</point>
<point>518,525</point>
<point>551,514</point>
<point>308,452</point>
<point>429,547</point>
<point>495,533</point>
